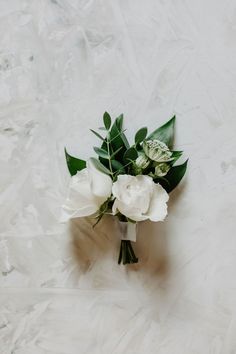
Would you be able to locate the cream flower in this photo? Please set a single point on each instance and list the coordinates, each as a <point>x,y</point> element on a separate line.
<point>157,150</point>
<point>141,163</point>
<point>162,169</point>
<point>139,198</point>
<point>88,190</point>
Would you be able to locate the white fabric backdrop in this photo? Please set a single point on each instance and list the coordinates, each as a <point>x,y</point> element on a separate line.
<point>62,64</point>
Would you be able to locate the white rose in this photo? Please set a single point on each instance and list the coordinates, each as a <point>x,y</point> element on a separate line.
<point>157,150</point>
<point>88,190</point>
<point>139,198</point>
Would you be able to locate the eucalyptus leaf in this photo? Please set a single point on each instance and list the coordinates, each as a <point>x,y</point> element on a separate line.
<point>173,177</point>
<point>140,135</point>
<point>165,133</point>
<point>130,154</point>
<point>107,120</point>
<point>97,134</point>
<point>101,152</point>
<point>102,210</point>
<point>115,152</point>
<point>117,140</point>
<point>122,131</point>
<point>74,164</point>
<point>100,167</point>
<point>117,165</point>
<point>175,156</point>
<point>119,121</point>
<point>117,127</point>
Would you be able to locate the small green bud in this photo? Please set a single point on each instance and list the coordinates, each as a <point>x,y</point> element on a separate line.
<point>140,163</point>
<point>162,169</point>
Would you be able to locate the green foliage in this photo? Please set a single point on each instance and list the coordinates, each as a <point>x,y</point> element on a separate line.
<point>117,166</point>
<point>115,152</point>
<point>107,120</point>
<point>165,133</point>
<point>116,142</point>
<point>117,135</point>
<point>140,135</point>
<point>102,211</point>
<point>74,164</point>
<point>101,152</point>
<point>97,134</point>
<point>115,156</point>
<point>130,155</point>
<point>173,177</point>
<point>100,167</point>
<point>175,156</point>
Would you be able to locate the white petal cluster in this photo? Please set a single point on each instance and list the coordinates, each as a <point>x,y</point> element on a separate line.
<point>157,150</point>
<point>139,198</point>
<point>141,163</point>
<point>136,197</point>
<point>88,190</point>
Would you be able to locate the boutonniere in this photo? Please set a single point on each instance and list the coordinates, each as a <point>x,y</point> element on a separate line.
<point>130,181</point>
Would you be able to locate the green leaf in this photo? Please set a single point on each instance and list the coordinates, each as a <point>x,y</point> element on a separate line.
<point>102,128</point>
<point>130,154</point>
<point>117,128</point>
<point>107,120</point>
<point>175,156</point>
<point>97,134</point>
<point>176,153</point>
<point>102,210</point>
<point>165,133</point>
<point>122,131</point>
<point>119,121</point>
<point>101,152</point>
<point>173,177</point>
<point>99,218</point>
<point>140,135</point>
<point>117,140</point>
<point>115,152</point>
<point>74,164</point>
<point>100,167</point>
<point>139,147</point>
<point>117,165</point>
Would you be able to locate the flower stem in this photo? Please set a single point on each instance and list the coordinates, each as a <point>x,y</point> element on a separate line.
<point>127,255</point>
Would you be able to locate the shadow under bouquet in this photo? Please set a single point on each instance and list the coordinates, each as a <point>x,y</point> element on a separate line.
<point>130,182</point>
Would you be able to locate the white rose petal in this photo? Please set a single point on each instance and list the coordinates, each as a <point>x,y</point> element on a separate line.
<point>101,183</point>
<point>158,207</point>
<point>88,190</point>
<point>139,198</point>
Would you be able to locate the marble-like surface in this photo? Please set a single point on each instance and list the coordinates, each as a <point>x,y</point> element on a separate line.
<point>62,64</point>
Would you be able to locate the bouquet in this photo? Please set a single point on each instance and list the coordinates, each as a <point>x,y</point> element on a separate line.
<point>129,181</point>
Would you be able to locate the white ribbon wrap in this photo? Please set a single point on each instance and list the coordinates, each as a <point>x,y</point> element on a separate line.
<point>127,230</point>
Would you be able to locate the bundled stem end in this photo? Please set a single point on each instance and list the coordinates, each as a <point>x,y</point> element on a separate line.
<point>127,255</point>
